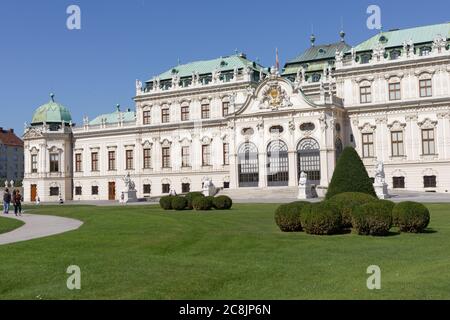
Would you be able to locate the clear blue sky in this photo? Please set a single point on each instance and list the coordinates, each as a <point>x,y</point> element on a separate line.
<point>92,69</point>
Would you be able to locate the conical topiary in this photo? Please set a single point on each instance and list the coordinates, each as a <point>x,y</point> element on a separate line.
<point>350,175</point>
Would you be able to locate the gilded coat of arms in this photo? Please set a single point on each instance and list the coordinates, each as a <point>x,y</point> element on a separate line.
<point>275,97</point>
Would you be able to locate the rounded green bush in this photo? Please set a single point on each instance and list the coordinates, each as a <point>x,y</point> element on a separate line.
<point>347,202</point>
<point>373,218</point>
<point>166,202</point>
<point>201,203</point>
<point>179,203</point>
<point>411,216</point>
<point>191,196</point>
<point>211,201</point>
<point>321,218</point>
<point>287,216</point>
<point>222,203</point>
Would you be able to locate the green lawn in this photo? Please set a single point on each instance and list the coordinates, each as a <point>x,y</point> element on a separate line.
<point>144,253</point>
<point>7,225</point>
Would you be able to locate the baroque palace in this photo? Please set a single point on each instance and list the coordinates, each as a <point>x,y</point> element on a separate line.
<point>245,126</point>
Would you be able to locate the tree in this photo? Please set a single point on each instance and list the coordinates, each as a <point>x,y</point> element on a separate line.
<point>350,175</point>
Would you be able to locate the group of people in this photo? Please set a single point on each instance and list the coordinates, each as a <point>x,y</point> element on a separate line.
<point>15,198</point>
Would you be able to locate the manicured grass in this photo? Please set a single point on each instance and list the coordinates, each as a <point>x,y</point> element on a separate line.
<point>7,225</point>
<point>145,253</point>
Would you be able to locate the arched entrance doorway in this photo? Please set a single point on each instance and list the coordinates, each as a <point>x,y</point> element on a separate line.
<point>248,166</point>
<point>277,164</point>
<point>308,160</point>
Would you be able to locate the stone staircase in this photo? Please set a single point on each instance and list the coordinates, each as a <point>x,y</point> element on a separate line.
<point>262,195</point>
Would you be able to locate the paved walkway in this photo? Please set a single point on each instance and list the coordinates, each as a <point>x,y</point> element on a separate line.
<point>38,226</point>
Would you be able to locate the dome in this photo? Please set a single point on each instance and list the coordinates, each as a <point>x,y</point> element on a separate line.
<point>51,112</point>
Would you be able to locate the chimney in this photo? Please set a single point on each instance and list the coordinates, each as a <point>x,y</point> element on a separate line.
<point>11,130</point>
<point>1,129</point>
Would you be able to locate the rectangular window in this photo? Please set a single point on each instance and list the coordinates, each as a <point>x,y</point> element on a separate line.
<point>205,111</point>
<point>226,185</point>
<point>165,115</point>
<point>78,191</point>
<point>111,160</point>
<point>146,117</point>
<point>206,155</point>
<point>226,154</point>
<point>54,162</point>
<point>429,181</point>
<point>129,157</point>
<point>365,94</point>
<point>166,157</point>
<point>398,182</point>
<point>185,113</point>
<point>78,163</point>
<point>94,190</point>
<point>147,188</point>
<point>225,108</point>
<point>185,157</point>
<point>397,143</point>
<point>367,144</point>
<point>94,161</point>
<point>147,158</point>
<point>428,142</point>
<point>54,191</point>
<point>425,88</point>
<point>34,163</point>
<point>185,187</point>
<point>165,188</point>
<point>394,91</point>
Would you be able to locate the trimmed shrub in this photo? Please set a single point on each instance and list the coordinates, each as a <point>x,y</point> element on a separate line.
<point>373,218</point>
<point>191,196</point>
<point>411,216</point>
<point>320,218</point>
<point>287,216</point>
<point>350,175</point>
<point>211,201</point>
<point>166,202</point>
<point>179,203</point>
<point>201,203</point>
<point>222,203</point>
<point>347,202</point>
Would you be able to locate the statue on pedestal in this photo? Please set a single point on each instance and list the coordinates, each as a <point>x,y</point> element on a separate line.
<point>380,184</point>
<point>129,194</point>
<point>304,187</point>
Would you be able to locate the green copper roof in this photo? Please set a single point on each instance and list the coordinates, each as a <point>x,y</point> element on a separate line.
<point>396,38</point>
<point>228,63</point>
<point>128,116</point>
<point>51,112</point>
<point>320,52</point>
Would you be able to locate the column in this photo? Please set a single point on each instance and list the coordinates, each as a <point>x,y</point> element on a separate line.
<point>292,169</point>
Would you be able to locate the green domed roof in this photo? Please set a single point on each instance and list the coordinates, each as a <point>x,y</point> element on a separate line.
<point>51,112</point>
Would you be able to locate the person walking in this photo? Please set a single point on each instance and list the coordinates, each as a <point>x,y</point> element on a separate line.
<point>6,201</point>
<point>17,201</point>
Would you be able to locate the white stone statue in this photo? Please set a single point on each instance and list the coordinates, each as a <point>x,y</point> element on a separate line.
<point>129,184</point>
<point>379,173</point>
<point>6,184</point>
<point>11,183</point>
<point>172,191</point>
<point>380,184</point>
<point>303,178</point>
<point>138,87</point>
<point>208,188</point>
<point>304,187</point>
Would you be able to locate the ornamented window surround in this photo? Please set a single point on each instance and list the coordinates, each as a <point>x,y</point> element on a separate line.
<point>397,126</point>
<point>427,123</point>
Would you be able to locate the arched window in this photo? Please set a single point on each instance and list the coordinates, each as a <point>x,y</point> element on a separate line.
<point>308,159</point>
<point>248,166</point>
<point>277,164</point>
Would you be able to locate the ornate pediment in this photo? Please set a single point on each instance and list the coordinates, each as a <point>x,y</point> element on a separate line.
<point>32,133</point>
<point>275,97</point>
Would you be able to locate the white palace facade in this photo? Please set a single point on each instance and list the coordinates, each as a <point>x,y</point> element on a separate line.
<point>245,126</point>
